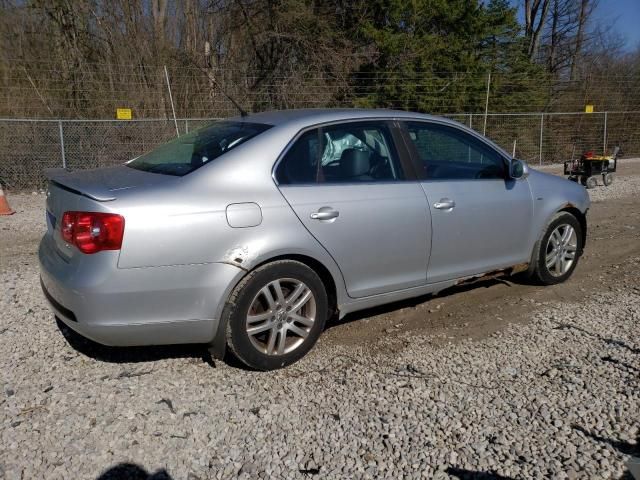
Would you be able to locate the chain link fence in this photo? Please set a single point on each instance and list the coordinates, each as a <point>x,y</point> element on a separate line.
<point>27,147</point>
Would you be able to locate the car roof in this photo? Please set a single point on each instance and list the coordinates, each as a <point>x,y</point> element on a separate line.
<point>295,120</point>
<point>311,116</point>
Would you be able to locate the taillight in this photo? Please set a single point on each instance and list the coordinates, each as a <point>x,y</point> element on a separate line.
<point>93,232</point>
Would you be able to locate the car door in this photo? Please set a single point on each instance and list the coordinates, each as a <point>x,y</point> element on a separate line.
<point>354,192</point>
<point>480,217</point>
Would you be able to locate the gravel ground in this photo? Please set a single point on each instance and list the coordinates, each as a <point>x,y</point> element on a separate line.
<point>553,395</point>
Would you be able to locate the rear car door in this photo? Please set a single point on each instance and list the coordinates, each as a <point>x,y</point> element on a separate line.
<point>356,194</point>
<point>481,218</point>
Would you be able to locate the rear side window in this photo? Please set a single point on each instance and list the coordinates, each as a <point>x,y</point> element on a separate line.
<point>193,150</point>
<point>448,153</point>
<point>345,153</point>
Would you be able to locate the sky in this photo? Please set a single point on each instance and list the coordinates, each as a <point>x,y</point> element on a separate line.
<point>625,17</point>
<point>622,15</point>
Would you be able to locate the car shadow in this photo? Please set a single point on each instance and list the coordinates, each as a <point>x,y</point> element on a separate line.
<point>464,474</point>
<point>131,471</point>
<point>415,301</point>
<point>626,448</point>
<point>608,341</point>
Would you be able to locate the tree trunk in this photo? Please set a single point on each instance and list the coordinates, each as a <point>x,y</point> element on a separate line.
<point>535,15</point>
<point>159,13</point>
<point>585,11</point>
<point>553,46</point>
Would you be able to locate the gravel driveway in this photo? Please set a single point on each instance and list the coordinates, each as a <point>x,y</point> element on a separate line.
<point>495,381</point>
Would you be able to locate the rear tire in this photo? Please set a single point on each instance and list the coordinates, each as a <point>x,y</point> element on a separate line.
<point>591,182</point>
<point>559,250</point>
<point>276,315</point>
<point>607,179</point>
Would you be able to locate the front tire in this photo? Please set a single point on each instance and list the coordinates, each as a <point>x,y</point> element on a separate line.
<point>559,249</point>
<point>276,315</point>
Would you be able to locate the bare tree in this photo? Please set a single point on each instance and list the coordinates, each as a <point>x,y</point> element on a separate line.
<point>535,15</point>
<point>586,9</point>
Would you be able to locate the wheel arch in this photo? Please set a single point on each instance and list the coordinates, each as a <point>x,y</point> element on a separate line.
<point>582,219</point>
<point>568,208</point>
<point>317,266</point>
<point>217,347</point>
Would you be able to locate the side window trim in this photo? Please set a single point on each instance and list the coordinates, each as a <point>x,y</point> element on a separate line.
<point>398,143</point>
<point>415,156</point>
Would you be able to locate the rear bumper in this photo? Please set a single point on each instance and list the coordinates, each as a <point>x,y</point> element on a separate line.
<point>136,306</point>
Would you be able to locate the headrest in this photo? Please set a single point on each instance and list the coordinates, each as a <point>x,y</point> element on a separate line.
<point>354,162</point>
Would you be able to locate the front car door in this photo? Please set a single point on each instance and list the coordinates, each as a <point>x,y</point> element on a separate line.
<point>353,191</point>
<point>481,218</point>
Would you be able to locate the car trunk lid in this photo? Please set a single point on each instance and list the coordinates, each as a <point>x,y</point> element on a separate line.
<point>103,184</point>
<point>90,191</point>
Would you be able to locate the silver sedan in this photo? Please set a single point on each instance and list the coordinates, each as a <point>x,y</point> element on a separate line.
<point>249,233</point>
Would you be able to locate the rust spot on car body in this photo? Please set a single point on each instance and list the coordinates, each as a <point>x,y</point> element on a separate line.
<point>520,267</point>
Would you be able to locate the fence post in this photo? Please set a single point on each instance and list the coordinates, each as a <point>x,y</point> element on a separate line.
<point>541,132</point>
<point>471,120</point>
<point>604,141</point>
<point>64,159</point>
<point>186,126</point>
<point>173,109</point>
<point>486,105</point>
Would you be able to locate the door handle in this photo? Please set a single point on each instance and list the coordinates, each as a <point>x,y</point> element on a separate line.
<point>325,213</point>
<point>444,204</point>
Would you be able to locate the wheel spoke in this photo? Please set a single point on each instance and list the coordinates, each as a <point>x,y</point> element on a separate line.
<point>297,330</point>
<point>569,255</point>
<point>307,322</point>
<point>296,293</point>
<point>268,297</point>
<point>259,329</point>
<point>566,235</point>
<point>279,293</point>
<point>272,340</point>
<point>282,339</point>
<point>302,301</point>
<point>551,258</point>
<point>558,265</point>
<point>259,317</point>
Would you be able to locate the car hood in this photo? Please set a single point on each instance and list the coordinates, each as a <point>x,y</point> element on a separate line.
<point>103,184</point>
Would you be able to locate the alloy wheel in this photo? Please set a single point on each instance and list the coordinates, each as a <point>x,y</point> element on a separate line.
<point>561,250</point>
<point>281,316</point>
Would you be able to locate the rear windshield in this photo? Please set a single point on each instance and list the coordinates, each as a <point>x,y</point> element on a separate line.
<point>193,150</point>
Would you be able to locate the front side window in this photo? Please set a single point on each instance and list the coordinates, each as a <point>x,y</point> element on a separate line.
<point>448,153</point>
<point>193,150</point>
<point>349,152</point>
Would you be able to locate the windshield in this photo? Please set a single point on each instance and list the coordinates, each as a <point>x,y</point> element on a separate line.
<point>193,150</point>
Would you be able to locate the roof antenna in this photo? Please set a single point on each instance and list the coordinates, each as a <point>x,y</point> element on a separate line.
<point>213,81</point>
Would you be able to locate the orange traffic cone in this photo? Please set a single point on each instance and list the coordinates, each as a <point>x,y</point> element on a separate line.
<point>5,209</point>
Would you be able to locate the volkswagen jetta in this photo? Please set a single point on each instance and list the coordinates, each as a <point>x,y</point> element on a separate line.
<point>248,234</point>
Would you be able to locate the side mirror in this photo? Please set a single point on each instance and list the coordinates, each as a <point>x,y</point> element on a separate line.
<point>519,169</point>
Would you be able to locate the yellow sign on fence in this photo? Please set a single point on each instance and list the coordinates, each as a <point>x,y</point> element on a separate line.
<point>123,113</point>
<point>588,109</point>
